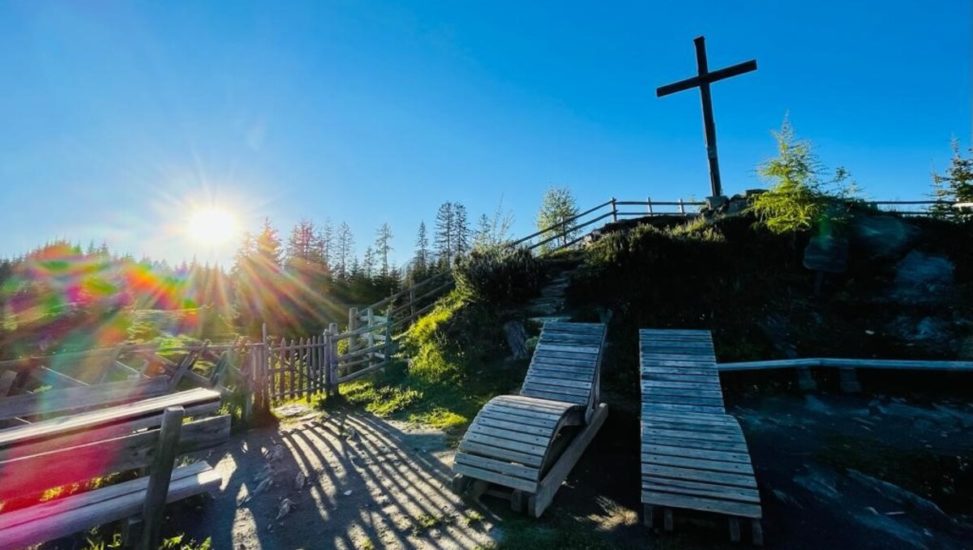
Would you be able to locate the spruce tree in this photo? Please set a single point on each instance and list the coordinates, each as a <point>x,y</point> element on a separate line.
<point>344,251</point>
<point>955,186</point>
<point>461,230</point>
<point>383,247</point>
<point>444,241</point>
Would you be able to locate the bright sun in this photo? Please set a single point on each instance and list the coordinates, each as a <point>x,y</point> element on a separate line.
<point>211,226</point>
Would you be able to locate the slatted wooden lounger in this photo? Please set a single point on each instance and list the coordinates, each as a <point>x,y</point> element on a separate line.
<point>520,442</point>
<point>694,455</point>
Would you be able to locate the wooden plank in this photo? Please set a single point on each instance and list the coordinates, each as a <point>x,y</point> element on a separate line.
<point>63,517</point>
<point>581,351</point>
<point>500,466</point>
<point>690,474</point>
<point>582,387</point>
<point>63,400</point>
<point>481,428</point>
<point>111,431</point>
<point>548,406</point>
<point>112,415</point>
<point>699,464</point>
<point>701,503</point>
<point>570,394</point>
<point>712,490</point>
<point>26,474</point>
<point>685,392</point>
<point>700,444</point>
<point>160,476</point>
<point>723,456</point>
<point>682,407</point>
<point>474,447</point>
<point>490,441</point>
<point>513,426</point>
<point>710,436</point>
<point>552,481</point>
<point>494,477</point>
<point>526,421</point>
<point>544,394</point>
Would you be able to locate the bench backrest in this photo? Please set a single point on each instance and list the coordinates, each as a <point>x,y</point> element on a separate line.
<point>60,401</point>
<point>27,470</point>
<point>566,363</point>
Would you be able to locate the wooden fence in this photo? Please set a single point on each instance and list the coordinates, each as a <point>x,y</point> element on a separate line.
<point>223,367</point>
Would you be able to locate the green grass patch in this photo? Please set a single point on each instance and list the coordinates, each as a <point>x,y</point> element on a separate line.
<point>456,363</point>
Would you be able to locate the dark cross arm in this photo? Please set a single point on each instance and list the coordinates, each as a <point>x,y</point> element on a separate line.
<point>695,81</point>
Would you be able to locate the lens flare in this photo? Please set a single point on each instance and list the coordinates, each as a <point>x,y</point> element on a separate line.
<point>212,226</point>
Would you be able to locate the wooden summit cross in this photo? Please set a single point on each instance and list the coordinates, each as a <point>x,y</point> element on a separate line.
<point>702,81</point>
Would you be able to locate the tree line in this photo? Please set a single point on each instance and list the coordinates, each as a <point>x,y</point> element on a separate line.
<point>297,283</point>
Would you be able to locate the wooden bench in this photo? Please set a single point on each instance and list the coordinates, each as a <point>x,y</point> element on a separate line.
<point>694,455</point>
<point>67,450</point>
<point>522,442</point>
<point>20,409</point>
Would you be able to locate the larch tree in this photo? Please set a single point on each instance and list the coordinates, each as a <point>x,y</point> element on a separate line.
<point>557,209</point>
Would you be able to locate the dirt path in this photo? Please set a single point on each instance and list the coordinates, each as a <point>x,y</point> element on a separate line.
<point>338,481</point>
<point>824,464</point>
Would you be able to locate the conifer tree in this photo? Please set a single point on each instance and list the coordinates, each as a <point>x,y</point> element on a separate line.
<point>461,230</point>
<point>557,208</point>
<point>955,186</point>
<point>343,250</point>
<point>383,247</point>
<point>443,237</point>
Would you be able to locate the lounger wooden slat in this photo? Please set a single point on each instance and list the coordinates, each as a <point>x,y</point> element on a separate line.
<point>693,454</point>
<point>510,442</point>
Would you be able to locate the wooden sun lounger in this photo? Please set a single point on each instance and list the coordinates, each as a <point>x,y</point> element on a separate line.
<point>694,455</point>
<point>520,442</point>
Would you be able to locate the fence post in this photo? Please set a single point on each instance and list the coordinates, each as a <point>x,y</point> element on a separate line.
<point>412,303</point>
<point>354,322</point>
<point>332,360</point>
<point>614,210</point>
<point>682,208</point>
<point>388,339</point>
<point>648,202</point>
<point>370,336</point>
<point>266,378</point>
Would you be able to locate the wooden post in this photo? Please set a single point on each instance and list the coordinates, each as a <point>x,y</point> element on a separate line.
<point>649,203</point>
<point>333,358</point>
<point>848,380</point>
<point>153,509</point>
<point>370,337</point>
<point>354,321</point>
<point>614,210</point>
<point>682,208</point>
<point>388,338</point>
<point>412,304</point>
<point>249,392</point>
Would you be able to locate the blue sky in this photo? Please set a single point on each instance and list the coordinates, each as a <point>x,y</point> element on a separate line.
<point>117,117</point>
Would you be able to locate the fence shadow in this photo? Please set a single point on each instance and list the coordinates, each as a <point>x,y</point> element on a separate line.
<point>367,483</point>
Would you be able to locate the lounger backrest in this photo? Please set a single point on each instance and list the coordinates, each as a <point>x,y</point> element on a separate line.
<point>678,371</point>
<point>566,363</point>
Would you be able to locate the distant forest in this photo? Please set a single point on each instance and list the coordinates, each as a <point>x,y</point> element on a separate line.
<point>62,296</point>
